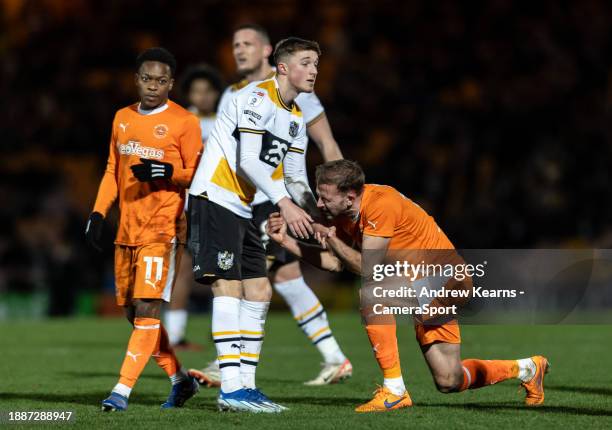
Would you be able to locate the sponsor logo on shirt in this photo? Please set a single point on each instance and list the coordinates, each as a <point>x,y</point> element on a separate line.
<point>251,113</point>
<point>135,148</point>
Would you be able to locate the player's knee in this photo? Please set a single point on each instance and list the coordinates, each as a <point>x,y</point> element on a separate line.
<point>448,382</point>
<point>261,294</point>
<point>287,272</point>
<point>258,290</point>
<point>147,308</point>
<point>444,385</point>
<point>222,287</point>
<point>130,314</point>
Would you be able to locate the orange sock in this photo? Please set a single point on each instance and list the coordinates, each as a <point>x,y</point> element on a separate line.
<point>143,342</point>
<point>384,343</point>
<point>165,357</point>
<point>479,373</point>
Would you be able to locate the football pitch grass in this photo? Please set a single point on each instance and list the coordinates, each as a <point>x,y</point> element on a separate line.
<point>71,364</point>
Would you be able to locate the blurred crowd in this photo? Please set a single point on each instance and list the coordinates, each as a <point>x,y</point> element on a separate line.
<point>493,115</point>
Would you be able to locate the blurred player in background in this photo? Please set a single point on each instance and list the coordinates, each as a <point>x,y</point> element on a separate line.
<point>201,86</point>
<point>154,149</point>
<point>379,218</point>
<point>251,49</point>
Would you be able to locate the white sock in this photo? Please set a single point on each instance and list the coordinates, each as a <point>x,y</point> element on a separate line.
<point>122,389</point>
<point>226,335</point>
<point>330,350</point>
<point>179,376</point>
<point>252,321</point>
<point>527,369</point>
<point>175,321</point>
<point>395,385</point>
<point>311,317</point>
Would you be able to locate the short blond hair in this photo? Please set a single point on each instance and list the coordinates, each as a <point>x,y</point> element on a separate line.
<point>346,175</point>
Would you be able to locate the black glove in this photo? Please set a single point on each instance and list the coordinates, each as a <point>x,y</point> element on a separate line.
<point>151,170</point>
<point>93,230</point>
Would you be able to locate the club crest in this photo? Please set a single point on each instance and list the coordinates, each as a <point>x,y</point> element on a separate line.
<point>160,131</point>
<point>225,260</point>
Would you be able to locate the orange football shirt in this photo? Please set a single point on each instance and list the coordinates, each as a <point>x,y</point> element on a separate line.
<point>150,212</point>
<point>385,212</point>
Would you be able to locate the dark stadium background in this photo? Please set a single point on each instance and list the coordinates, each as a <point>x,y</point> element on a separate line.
<point>493,115</point>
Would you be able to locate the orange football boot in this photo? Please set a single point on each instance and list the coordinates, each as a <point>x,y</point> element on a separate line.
<point>204,379</point>
<point>385,400</point>
<point>535,387</point>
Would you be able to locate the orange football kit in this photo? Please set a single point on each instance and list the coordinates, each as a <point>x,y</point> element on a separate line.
<point>152,222</point>
<point>385,212</point>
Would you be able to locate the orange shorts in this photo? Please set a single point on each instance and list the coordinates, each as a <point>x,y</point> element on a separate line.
<point>447,333</point>
<point>146,271</point>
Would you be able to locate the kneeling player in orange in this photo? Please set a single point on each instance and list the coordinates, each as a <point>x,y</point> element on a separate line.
<point>154,150</point>
<point>380,219</point>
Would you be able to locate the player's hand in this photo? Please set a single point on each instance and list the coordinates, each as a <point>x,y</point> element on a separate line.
<point>320,232</point>
<point>276,227</point>
<point>297,219</point>
<point>93,230</point>
<point>151,170</point>
<point>323,235</point>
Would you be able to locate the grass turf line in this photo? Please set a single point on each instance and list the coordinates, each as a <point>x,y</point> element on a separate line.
<point>71,364</point>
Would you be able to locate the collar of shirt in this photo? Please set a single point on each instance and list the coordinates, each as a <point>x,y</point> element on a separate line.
<point>152,111</point>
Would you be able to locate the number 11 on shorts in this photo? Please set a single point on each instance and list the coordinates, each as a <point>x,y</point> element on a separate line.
<point>159,265</point>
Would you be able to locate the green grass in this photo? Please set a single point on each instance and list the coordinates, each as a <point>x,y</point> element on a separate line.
<point>72,364</point>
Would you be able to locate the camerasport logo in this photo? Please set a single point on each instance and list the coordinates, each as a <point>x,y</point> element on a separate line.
<point>160,131</point>
<point>135,148</point>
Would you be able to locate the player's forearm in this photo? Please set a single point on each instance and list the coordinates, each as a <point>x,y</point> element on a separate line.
<point>330,151</point>
<point>302,195</point>
<point>320,131</point>
<point>262,180</point>
<point>296,182</point>
<point>312,255</point>
<point>255,170</point>
<point>107,193</point>
<point>291,245</point>
<point>182,177</point>
<point>191,151</point>
<point>349,257</point>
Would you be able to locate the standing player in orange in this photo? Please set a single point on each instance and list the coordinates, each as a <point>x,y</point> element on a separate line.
<point>154,149</point>
<point>379,218</point>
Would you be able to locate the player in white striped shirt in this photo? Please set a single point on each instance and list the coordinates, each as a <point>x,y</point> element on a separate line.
<point>251,48</point>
